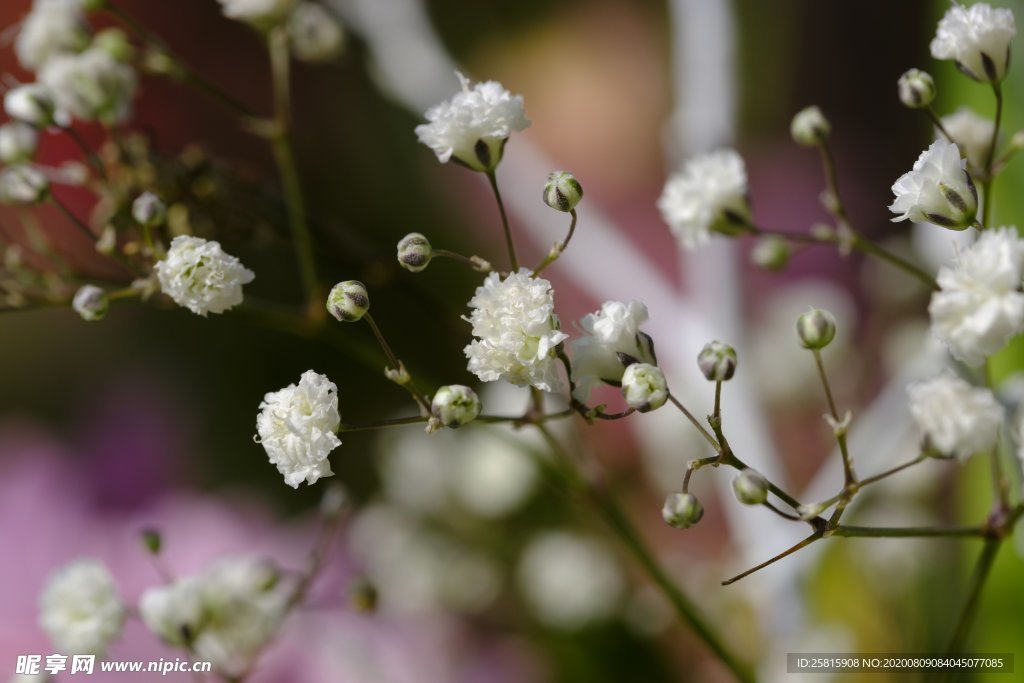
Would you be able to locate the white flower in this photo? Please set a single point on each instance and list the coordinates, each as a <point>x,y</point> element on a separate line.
<point>224,614</point>
<point>91,86</point>
<point>644,387</point>
<point>297,426</point>
<point>612,330</point>
<point>316,36</point>
<point>979,305</point>
<point>90,302</point>
<point>472,126</point>
<point>31,103</point>
<point>971,133</point>
<point>978,39</point>
<point>955,417</point>
<point>517,331</point>
<point>937,190</point>
<point>23,184</point>
<point>709,193</point>
<point>18,142</point>
<point>198,275</point>
<point>809,127</point>
<point>261,13</point>
<point>53,27</point>
<point>80,609</point>
<point>569,581</point>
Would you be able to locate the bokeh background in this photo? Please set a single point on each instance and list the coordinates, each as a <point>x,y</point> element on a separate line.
<point>145,419</point>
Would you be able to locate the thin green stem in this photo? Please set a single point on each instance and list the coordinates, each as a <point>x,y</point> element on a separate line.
<point>695,465</point>
<point>785,553</point>
<point>696,423</point>
<point>87,150</point>
<point>906,532</point>
<point>474,262</point>
<point>888,473</point>
<point>73,219</point>
<point>509,245</point>
<point>828,165</point>
<point>396,364</point>
<point>559,247</point>
<point>848,475</point>
<point>989,177</point>
<point>937,122</point>
<point>980,576</point>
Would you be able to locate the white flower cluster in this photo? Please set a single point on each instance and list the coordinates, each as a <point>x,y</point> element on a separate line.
<point>472,127</point>
<point>90,85</point>
<point>613,330</point>
<point>517,331</point>
<point>298,428</point>
<point>978,39</point>
<point>80,609</point>
<point>708,194</point>
<point>223,615</point>
<point>979,305</point>
<point>937,190</point>
<point>955,418</point>
<point>198,275</point>
<point>52,27</point>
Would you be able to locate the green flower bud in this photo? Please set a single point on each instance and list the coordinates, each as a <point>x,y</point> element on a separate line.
<point>455,405</point>
<point>816,328</point>
<point>91,303</point>
<point>771,253</point>
<point>348,301</point>
<point>562,192</point>
<point>151,540</point>
<point>750,487</point>
<point>717,361</point>
<point>644,387</point>
<point>809,127</point>
<point>682,510</point>
<point>414,252</point>
<point>149,210</point>
<point>363,597</point>
<point>917,89</point>
<point>115,42</point>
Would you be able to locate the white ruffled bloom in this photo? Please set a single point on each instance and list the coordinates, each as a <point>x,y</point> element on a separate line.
<point>80,609</point>
<point>53,27</point>
<point>472,126</point>
<point>978,38</point>
<point>298,428</point>
<point>198,275</point>
<point>612,330</point>
<point>979,305</point>
<point>568,580</point>
<point>18,142</point>
<point>23,184</point>
<point>972,134</point>
<point>517,331</point>
<point>31,103</point>
<point>709,193</point>
<point>91,86</point>
<point>262,13</point>
<point>937,190</point>
<point>225,614</point>
<point>954,417</point>
<point>316,35</point>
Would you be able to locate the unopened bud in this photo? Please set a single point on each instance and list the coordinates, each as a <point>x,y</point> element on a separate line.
<point>399,375</point>
<point>455,405</point>
<point>414,252</point>
<point>816,328</point>
<point>149,210</point>
<point>917,89</point>
<point>771,253</point>
<point>115,42</point>
<point>23,184</point>
<point>31,103</point>
<point>334,502</point>
<point>348,301</point>
<point>18,142</point>
<point>750,487</point>
<point>682,510</point>
<point>362,596</point>
<point>562,192</point>
<point>1017,140</point>
<point>315,35</point>
<point>91,303</point>
<point>107,242</point>
<point>809,127</point>
<point>717,361</point>
<point>151,540</point>
<point>644,387</point>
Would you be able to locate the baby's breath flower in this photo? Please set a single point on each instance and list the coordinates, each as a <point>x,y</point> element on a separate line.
<point>316,35</point>
<point>979,305</point>
<point>517,331</point>
<point>954,417</point>
<point>91,86</point>
<point>91,303</point>
<point>262,14</point>
<point>971,133</point>
<point>18,142</point>
<point>682,510</point>
<point>816,328</point>
<point>717,361</point>
<point>31,103</point>
<point>644,387</point>
<point>348,301</point>
<point>978,39</point>
<point>455,405</point>
<point>414,252</point>
<point>472,127</point>
<point>809,127</point>
<point>750,487</point>
<point>562,191</point>
<point>53,27</point>
<point>938,189</point>
<point>297,426</point>
<point>916,88</point>
<point>198,275</point>
<point>613,330</point>
<point>149,210</point>
<point>708,194</point>
<point>80,609</point>
<point>23,184</point>
<point>771,253</point>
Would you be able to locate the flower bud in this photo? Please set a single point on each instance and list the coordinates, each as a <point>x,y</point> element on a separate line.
<point>414,252</point>
<point>682,510</point>
<point>152,541</point>
<point>18,142</point>
<point>717,361</point>
<point>115,42</point>
<point>91,303</point>
<point>348,301</point>
<point>816,328</point>
<point>316,36</point>
<point>334,502</point>
<point>917,89</point>
<point>149,210</point>
<point>809,127</point>
<point>562,192</point>
<point>30,103</point>
<point>644,387</point>
<point>750,487</point>
<point>23,184</point>
<point>362,596</point>
<point>455,405</point>
<point>1017,140</point>
<point>771,253</point>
